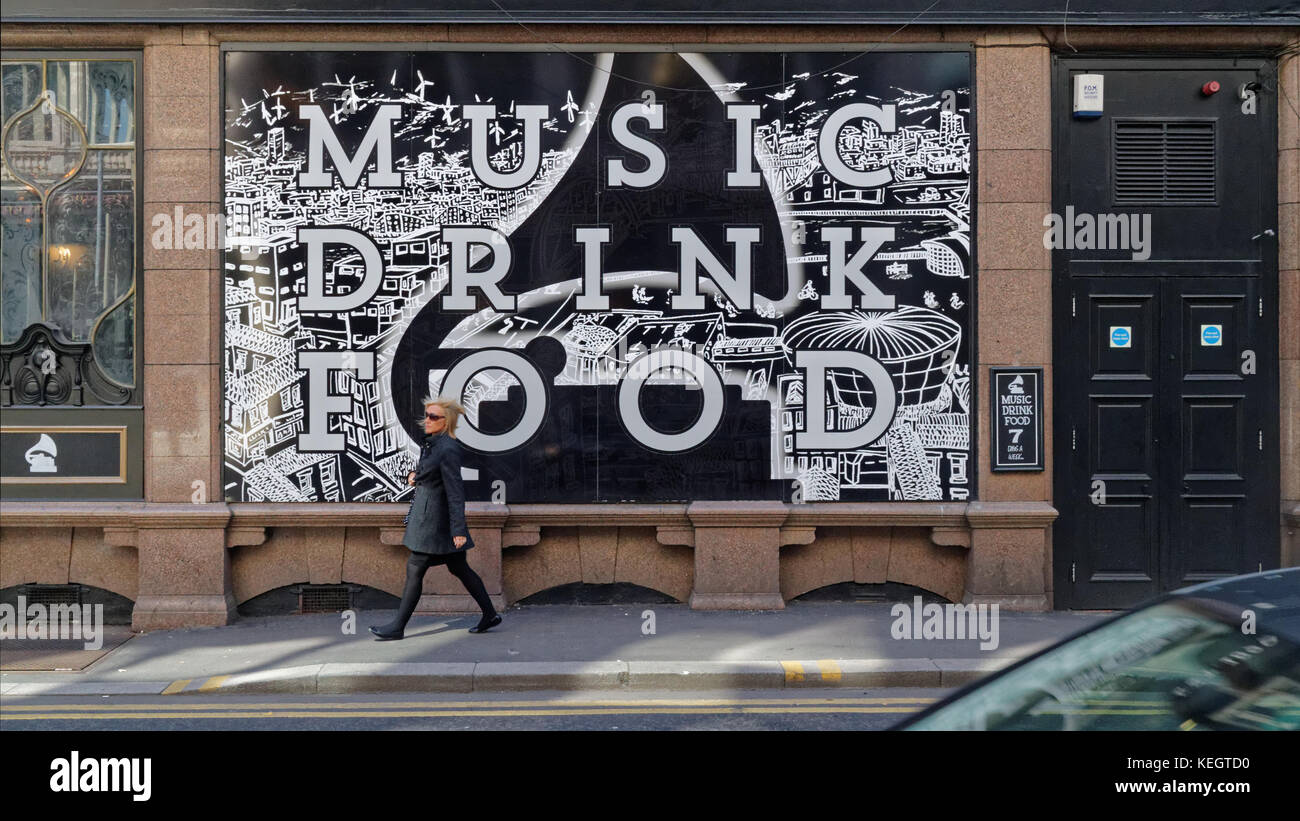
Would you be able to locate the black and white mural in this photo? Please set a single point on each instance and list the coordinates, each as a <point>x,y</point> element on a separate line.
<point>648,276</point>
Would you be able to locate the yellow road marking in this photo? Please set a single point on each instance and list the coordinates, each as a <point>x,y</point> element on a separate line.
<point>179,705</point>
<point>212,683</point>
<point>177,686</point>
<point>830,669</point>
<point>793,670</point>
<point>459,713</point>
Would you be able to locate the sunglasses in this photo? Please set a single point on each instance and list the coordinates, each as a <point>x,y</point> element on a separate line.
<point>433,417</point>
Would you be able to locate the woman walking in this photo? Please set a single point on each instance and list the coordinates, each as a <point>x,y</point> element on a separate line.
<point>435,530</point>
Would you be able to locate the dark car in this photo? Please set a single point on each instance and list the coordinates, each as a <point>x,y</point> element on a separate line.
<point>1224,655</point>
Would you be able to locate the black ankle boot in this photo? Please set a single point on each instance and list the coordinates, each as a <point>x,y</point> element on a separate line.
<point>486,623</point>
<point>383,633</point>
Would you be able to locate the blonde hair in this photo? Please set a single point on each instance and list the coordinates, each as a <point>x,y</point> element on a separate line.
<point>450,407</point>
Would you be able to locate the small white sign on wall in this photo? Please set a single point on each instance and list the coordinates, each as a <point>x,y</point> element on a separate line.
<point>1089,94</point>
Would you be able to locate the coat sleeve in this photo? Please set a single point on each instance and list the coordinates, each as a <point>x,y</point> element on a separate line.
<point>455,488</point>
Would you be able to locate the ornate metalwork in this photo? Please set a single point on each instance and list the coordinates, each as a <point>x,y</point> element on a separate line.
<point>44,368</point>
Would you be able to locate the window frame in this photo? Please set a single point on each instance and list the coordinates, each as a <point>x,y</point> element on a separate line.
<point>96,414</point>
<point>136,292</point>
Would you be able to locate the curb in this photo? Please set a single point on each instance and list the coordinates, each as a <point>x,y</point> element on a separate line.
<point>468,677</point>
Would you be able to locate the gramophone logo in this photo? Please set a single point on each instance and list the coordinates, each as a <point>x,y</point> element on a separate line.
<point>40,456</point>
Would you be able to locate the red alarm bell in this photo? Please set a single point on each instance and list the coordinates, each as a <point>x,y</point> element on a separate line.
<point>1210,88</point>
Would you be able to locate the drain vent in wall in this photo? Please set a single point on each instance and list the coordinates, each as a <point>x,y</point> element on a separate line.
<point>51,594</point>
<point>325,598</point>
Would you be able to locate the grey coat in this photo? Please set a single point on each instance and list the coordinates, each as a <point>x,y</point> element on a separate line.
<point>438,507</point>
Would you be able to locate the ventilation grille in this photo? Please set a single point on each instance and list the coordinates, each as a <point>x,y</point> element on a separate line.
<point>324,598</point>
<point>1160,162</point>
<point>51,594</point>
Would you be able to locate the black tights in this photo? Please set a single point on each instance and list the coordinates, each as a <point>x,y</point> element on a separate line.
<point>418,563</point>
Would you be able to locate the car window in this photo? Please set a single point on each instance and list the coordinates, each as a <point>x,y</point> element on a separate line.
<point>1182,664</point>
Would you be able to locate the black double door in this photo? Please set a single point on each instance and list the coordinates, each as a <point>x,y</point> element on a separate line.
<point>1165,360</point>
<point>1164,436</point>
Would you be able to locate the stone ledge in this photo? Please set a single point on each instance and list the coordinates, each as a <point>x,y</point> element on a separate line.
<point>628,515</point>
<point>317,514</point>
<point>737,514</point>
<point>117,516</point>
<point>1010,514</point>
<point>525,519</point>
<point>878,514</point>
<point>246,523</point>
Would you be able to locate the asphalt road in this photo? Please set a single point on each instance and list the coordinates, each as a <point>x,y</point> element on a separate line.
<point>830,709</point>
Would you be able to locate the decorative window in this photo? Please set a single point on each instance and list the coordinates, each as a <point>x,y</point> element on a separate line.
<point>68,297</point>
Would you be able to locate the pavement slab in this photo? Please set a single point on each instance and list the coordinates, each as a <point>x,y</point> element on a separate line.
<point>566,647</point>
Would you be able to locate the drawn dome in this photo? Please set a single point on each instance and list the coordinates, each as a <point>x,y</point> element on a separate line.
<point>890,336</point>
<point>916,345</point>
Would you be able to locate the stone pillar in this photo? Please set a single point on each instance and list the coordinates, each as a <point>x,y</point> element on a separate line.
<point>737,555</point>
<point>443,592</point>
<point>184,572</point>
<point>181,284</point>
<point>1009,563</point>
<point>1010,559</point>
<point>184,564</point>
<point>1288,264</point>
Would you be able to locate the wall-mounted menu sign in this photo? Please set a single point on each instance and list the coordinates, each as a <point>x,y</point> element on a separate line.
<point>62,455</point>
<point>1017,418</point>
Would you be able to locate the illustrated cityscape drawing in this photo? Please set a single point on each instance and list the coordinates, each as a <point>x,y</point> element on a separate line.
<point>922,342</point>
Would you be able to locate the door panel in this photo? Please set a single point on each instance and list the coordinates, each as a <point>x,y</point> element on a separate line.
<point>1115,441</point>
<point>1124,333</point>
<point>1165,149</point>
<point>1219,518</point>
<point>1165,348</point>
<point>1168,482</point>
